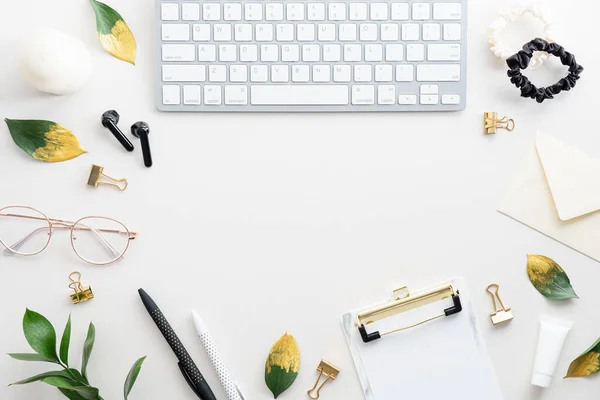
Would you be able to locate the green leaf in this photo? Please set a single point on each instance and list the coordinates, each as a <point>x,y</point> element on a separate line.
<point>86,392</point>
<point>37,378</point>
<point>587,364</point>
<point>40,334</point>
<point>132,376</point>
<point>114,34</point>
<point>45,140</point>
<point>71,395</point>
<point>283,364</point>
<point>30,357</point>
<point>65,342</point>
<point>88,346</point>
<point>549,278</point>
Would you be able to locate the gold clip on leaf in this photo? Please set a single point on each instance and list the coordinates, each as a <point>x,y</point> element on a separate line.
<point>98,178</point>
<point>404,301</point>
<point>330,371</point>
<point>80,293</point>
<point>492,123</point>
<point>501,314</point>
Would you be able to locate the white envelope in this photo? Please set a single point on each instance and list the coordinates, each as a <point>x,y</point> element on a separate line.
<point>557,192</point>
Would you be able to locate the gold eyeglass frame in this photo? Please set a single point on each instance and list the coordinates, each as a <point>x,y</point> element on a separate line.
<point>72,226</point>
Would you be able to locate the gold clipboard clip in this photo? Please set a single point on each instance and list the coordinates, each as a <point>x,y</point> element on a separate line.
<point>405,301</point>
<point>492,123</point>
<point>502,314</point>
<point>330,371</point>
<point>80,293</point>
<point>97,177</point>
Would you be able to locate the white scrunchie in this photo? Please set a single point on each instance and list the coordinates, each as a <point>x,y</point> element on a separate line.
<point>495,30</point>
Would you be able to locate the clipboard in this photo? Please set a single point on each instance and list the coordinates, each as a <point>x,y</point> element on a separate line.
<point>423,345</point>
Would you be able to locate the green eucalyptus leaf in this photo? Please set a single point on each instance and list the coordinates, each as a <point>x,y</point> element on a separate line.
<point>40,334</point>
<point>114,34</point>
<point>86,392</point>
<point>65,342</point>
<point>549,278</point>
<point>88,346</point>
<point>29,357</point>
<point>283,364</point>
<point>132,376</point>
<point>40,377</point>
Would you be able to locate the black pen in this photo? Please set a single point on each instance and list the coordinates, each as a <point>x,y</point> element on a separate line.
<point>190,371</point>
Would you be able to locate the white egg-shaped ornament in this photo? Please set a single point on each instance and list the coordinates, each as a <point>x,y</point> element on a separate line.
<point>54,62</point>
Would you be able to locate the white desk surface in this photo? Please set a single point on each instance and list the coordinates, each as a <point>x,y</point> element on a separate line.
<point>267,223</point>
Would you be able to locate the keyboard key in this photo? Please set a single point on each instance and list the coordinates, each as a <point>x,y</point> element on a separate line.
<point>248,52</point>
<point>259,73</point>
<point>222,33</point>
<point>438,72</point>
<point>321,73</point>
<point>347,32</point>
<point>311,52</point>
<point>394,52</point>
<point>332,52</point>
<point>233,12</point>
<point>421,11</point>
<point>358,11</point>
<point>432,32</point>
<point>452,31</point>
<point>300,73</point>
<point>363,94</point>
<point>274,11</point>
<point>192,95</point>
<point>430,99</point>
<point>400,11</point>
<point>295,11</point>
<point>236,95</point>
<point>269,52</point>
<point>447,11</point>
<point>373,52</point>
<point>407,99</point>
<point>389,32</point>
<point>175,32</point>
<point>352,52</point>
<point>201,32</point>
<point>280,73</point>
<point>342,73</point>
<point>183,73</point>
<point>227,52</point>
<point>169,11</point>
<point>171,95</point>
<point>337,11</point>
<point>211,11</point>
<point>430,89</point>
<point>450,99</point>
<point>207,52</point>
<point>217,73</point>
<point>326,32</point>
<point>190,11</point>
<point>264,33</point>
<point>410,31</point>
<point>383,73</point>
<point>379,11</point>
<point>178,52</point>
<point>368,32</point>
<point>405,73</point>
<point>253,11</point>
<point>306,32</point>
<point>238,73</point>
<point>212,95</point>
<point>415,52</point>
<point>363,73</point>
<point>443,52</point>
<point>290,53</point>
<point>316,11</point>
<point>386,94</point>
<point>285,32</point>
<point>302,95</point>
<point>243,32</point>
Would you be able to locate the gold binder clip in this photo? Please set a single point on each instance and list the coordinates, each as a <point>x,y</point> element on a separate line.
<point>97,178</point>
<point>330,371</point>
<point>499,315</point>
<point>492,123</point>
<point>404,301</point>
<point>80,293</point>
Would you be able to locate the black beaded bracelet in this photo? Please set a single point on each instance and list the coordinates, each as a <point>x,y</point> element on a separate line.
<point>521,61</point>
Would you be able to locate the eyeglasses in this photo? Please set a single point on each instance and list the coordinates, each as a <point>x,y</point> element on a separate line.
<point>96,240</point>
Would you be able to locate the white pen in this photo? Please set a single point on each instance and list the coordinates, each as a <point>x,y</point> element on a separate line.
<point>231,388</point>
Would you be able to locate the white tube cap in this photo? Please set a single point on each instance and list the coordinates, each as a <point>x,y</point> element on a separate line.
<point>541,380</point>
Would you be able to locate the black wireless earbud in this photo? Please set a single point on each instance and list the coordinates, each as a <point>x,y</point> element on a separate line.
<point>110,119</point>
<point>141,130</point>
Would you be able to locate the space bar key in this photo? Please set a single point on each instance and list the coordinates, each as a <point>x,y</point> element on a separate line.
<point>299,95</point>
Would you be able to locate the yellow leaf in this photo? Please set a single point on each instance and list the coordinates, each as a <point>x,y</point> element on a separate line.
<point>61,145</point>
<point>584,365</point>
<point>120,42</point>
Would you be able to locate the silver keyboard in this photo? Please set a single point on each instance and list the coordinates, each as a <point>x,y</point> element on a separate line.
<point>312,55</point>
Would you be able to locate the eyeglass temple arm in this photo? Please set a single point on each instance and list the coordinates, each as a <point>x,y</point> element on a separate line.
<point>132,235</point>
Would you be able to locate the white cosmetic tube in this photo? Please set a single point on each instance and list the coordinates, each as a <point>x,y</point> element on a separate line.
<point>553,332</point>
